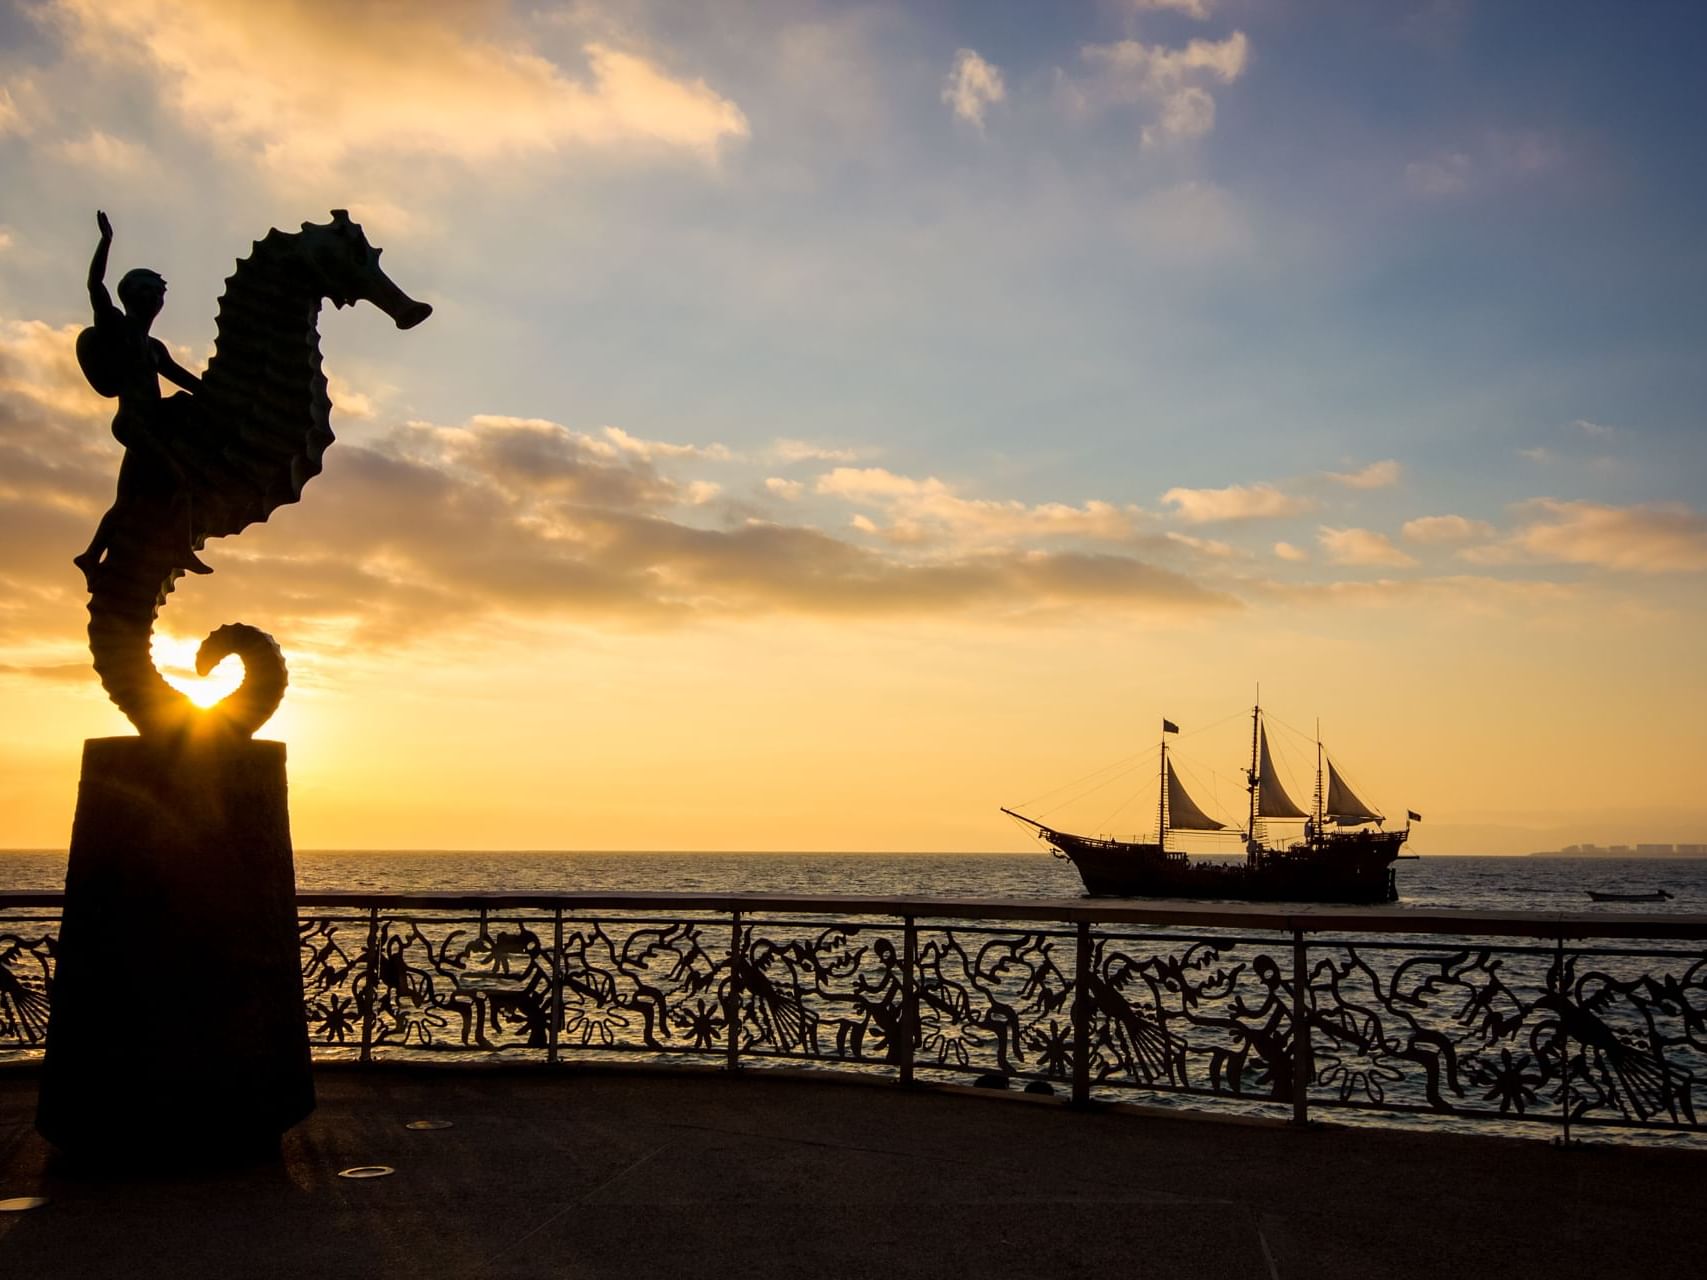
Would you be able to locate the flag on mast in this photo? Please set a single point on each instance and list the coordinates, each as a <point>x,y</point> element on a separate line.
<point>1413,815</point>
<point>1168,726</point>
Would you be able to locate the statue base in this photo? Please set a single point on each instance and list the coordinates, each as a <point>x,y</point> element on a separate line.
<point>177,1029</point>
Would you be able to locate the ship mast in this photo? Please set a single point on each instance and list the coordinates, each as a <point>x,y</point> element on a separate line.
<point>1318,778</point>
<point>1162,797</point>
<point>1252,777</point>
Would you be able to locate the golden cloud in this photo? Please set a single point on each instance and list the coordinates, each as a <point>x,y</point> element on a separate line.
<point>972,86</point>
<point>421,528</point>
<point>1647,538</point>
<point>11,119</point>
<point>928,511</point>
<point>312,83</point>
<point>1432,530</point>
<point>1235,502</point>
<point>1170,80</point>
<point>1377,475</point>
<point>1362,547</point>
<point>1470,593</point>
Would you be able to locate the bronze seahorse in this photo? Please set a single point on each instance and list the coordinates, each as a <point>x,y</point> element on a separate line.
<point>219,458</point>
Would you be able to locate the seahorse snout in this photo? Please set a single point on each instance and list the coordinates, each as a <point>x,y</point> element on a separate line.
<point>413,314</point>
<point>393,301</point>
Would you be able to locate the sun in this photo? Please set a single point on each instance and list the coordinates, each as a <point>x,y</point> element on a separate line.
<point>175,659</point>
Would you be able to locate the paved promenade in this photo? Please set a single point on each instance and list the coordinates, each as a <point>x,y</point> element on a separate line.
<point>639,1174</point>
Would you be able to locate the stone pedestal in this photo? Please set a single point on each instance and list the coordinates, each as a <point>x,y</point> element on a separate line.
<point>177,1029</point>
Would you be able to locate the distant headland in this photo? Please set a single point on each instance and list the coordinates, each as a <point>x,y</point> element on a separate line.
<point>1625,851</point>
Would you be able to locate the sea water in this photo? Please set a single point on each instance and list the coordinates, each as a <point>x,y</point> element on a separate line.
<point>1464,882</point>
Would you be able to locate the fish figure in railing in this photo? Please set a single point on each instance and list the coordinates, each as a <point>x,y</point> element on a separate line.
<point>24,985</point>
<point>774,1004</point>
<point>1623,1070</point>
<point>225,452</point>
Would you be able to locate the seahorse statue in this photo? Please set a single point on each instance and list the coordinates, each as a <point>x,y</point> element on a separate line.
<point>208,462</point>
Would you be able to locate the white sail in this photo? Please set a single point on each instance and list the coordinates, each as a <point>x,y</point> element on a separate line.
<point>1183,813</point>
<point>1272,800</point>
<point>1343,806</point>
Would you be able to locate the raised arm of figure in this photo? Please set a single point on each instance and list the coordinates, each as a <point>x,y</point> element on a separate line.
<point>99,298</point>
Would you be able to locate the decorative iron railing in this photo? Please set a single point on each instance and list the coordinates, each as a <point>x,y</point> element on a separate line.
<point>1454,1019</point>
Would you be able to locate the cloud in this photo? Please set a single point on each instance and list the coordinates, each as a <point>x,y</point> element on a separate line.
<point>1361,547</point>
<point>1576,449</point>
<point>313,86</point>
<point>972,87</point>
<point>38,363</point>
<point>1169,81</point>
<point>1647,538</point>
<point>57,672</point>
<point>349,402</point>
<point>1377,475</point>
<point>529,459</point>
<point>1190,221</point>
<point>929,512</point>
<point>806,451</point>
<point>1437,530</point>
<point>1286,551</point>
<point>104,154</point>
<point>787,490</point>
<point>1235,502</point>
<point>6,239</point>
<point>651,449</point>
<point>11,119</point>
<point>1524,152</point>
<point>1472,593</point>
<point>1442,175</point>
<point>603,549</point>
<point>1214,548</point>
<point>1198,9</point>
<point>1500,157</point>
<point>419,529</point>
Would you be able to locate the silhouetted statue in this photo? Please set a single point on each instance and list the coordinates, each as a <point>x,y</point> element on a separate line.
<point>184,831</point>
<point>215,457</point>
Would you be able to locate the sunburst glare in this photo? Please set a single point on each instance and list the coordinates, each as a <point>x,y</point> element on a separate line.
<point>175,658</point>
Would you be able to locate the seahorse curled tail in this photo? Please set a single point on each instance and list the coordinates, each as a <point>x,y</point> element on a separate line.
<point>126,595</point>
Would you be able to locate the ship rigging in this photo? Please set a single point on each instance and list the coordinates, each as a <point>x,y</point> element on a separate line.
<point>1343,855</point>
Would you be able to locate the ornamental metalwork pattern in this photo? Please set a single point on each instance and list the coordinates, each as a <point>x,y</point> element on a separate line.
<point>26,980</point>
<point>995,1002</point>
<point>1201,1015</point>
<point>1515,1032</point>
<point>1485,1031</point>
<point>658,986</point>
<point>821,991</point>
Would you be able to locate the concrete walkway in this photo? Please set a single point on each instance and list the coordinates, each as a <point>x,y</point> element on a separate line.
<point>642,1174</point>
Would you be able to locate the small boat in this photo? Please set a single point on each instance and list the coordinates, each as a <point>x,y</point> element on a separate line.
<point>1343,856</point>
<point>1658,895</point>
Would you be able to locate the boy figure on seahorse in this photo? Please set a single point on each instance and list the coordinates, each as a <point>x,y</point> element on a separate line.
<point>121,359</point>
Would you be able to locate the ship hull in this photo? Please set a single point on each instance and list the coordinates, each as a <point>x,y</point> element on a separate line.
<point>1341,868</point>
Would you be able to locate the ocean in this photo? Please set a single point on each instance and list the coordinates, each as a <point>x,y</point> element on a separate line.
<point>1467,882</point>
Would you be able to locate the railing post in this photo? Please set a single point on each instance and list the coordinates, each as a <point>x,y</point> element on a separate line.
<point>1564,1048</point>
<point>556,980</point>
<point>1082,1016</point>
<point>734,1014</point>
<point>909,995</point>
<point>372,997</point>
<point>1303,1064</point>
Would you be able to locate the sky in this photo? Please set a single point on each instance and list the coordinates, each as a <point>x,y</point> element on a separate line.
<point>838,421</point>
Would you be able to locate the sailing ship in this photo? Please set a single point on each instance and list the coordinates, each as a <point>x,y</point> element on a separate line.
<point>1343,855</point>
